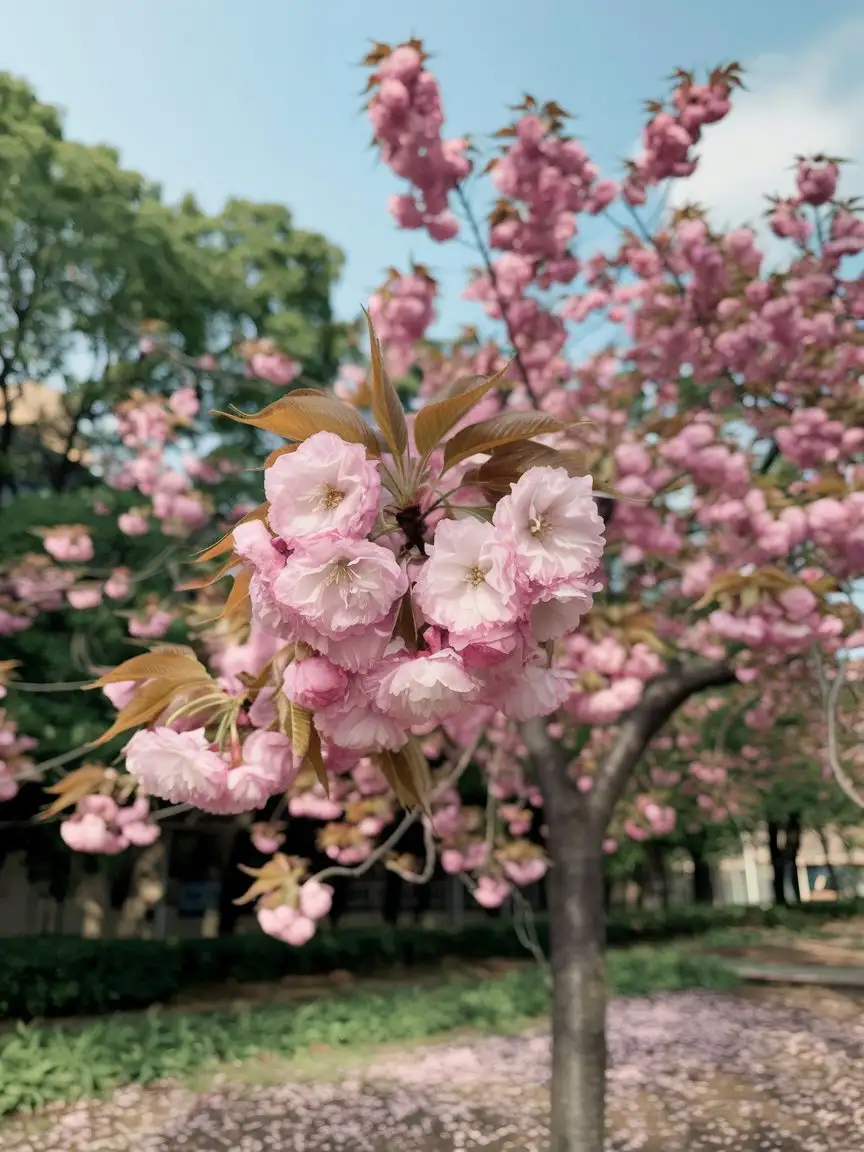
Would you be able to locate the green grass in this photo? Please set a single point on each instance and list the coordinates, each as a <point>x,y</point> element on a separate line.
<point>44,1062</point>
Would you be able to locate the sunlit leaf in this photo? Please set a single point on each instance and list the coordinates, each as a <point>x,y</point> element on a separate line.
<point>238,602</point>
<point>146,706</point>
<point>162,663</point>
<point>386,406</point>
<point>206,581</point>
<point>299,417</point>
<point>407,773</point>
<point>301,729</point>
<point>226,544</point>
<point>315,761</point>
<point>506,428</point>
<point>432,423</point>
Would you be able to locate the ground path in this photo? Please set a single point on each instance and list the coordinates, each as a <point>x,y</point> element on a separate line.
<point>767,1070</point>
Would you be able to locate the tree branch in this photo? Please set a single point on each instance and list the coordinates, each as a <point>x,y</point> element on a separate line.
<point>483,251</point>
<point>831,697</point>
<point>404,824</point>
<point>662,696</point>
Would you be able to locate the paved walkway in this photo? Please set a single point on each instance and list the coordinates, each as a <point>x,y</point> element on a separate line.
<point>827,976</point>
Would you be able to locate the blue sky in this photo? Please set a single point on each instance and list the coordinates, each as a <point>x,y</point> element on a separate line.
<point>261,98</point>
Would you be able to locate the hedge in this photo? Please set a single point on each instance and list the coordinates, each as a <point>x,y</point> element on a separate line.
<point>62,976</point>
<point>44,1062</point>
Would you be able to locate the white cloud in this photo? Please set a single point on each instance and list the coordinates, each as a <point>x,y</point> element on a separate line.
<point>796,104</point>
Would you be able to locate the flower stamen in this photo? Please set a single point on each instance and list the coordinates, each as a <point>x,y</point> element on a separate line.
<point>329,498</point>
<point>340,573</point>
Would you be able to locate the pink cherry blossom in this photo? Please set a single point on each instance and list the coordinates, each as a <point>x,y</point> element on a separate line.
<point>423,689</point>
<point>85,596</point>
<point>338,587</point>
<point>315,899</point>
<point>468,584</point>
<point>274,367</point>
<point>184,402</point>
<point>267,837</point>
<point>133,524</point>
<point>558,613</point>
<point>286,924</point>
<point>314,683</point>
<point>552,522</point>
<point>326,487</point>
<point>119,584</point>
<point>270,757</point>
<point>491,893</point>
<point>525,872</point>
<point>177,766</point>
<point>69,544</point>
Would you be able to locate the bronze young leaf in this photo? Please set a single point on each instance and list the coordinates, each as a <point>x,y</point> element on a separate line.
<point>434,421</point>
<point>386,405</point>
<point>164,664</point>
<point>226,544</point>
<point>496,431</point>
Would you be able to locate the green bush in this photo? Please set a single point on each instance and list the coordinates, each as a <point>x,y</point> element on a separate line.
<point>44,1062</point>
<point>59,976</point>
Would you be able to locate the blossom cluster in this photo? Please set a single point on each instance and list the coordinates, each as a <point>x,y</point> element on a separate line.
<point>406,116</point>
<point>101,825</point>
<point>482,600</point>
<point>14,747</point>
<point>402,310</point>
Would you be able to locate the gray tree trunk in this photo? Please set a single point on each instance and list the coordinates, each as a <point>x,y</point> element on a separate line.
<point>576,824</point>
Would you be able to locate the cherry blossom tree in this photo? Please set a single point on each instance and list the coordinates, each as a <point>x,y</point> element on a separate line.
<point>541,590</point>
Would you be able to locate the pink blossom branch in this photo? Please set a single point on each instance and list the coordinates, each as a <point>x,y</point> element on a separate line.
<point>483,252</point>
<point>409,819</point>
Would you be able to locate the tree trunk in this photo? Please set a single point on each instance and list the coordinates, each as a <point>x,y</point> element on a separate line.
<point>577,936</point>
<point>778,863</point>
<point>576,824</point>
<point>393,885</point>
<point>793,844</point>
<point>703,881</point>
<point>91,898</point>
<point>147,889</point>
<point>829,864</point>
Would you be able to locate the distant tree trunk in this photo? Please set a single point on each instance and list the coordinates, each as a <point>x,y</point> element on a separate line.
<point>829,865</point>
<point>393,887</point>
<point>92,898</point>
<point>793,845</point>
<point>340,901</point>
<point>147,889</point>
<point>422,901</point>
<point>778,863</point>
<point>784,841</point>
<point>659,874</point>
<point>703,881</point>
<point>234,883</point>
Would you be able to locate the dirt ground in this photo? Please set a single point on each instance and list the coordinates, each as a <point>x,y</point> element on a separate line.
<point>837,943</point>
<point>766,1070</point>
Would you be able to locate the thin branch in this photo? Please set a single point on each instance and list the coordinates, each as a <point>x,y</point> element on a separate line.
<point>526,933</point>
<point>409,819</point>
<point>431,859</point>
<point>831,697</point>
<point>37,770</point>
<point>661,698</point>
<point>483,252</point>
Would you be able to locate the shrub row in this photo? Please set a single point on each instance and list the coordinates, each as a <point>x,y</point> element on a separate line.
<point>61,976</point>
<point>44,1062</point>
